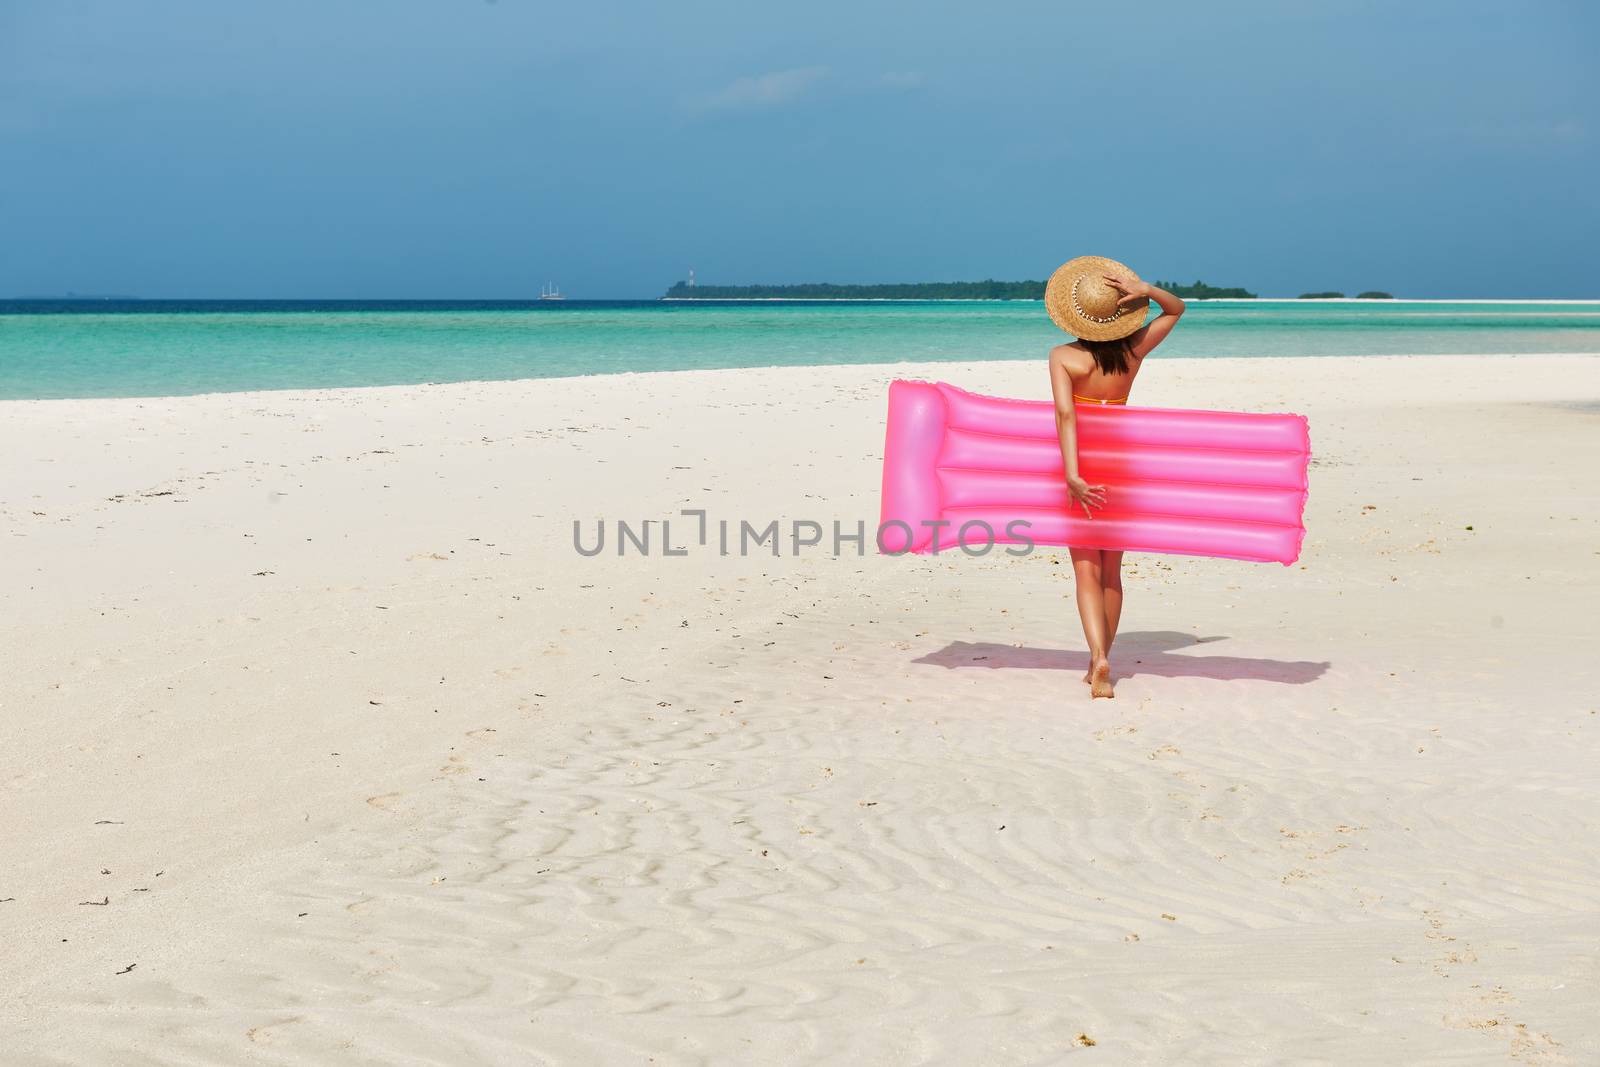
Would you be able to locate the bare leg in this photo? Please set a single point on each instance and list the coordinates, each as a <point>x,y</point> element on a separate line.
<point>1087,571</point>
<point>1111,592</point>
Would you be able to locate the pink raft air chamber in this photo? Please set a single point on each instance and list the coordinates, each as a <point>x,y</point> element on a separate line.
<point>1193,483</point>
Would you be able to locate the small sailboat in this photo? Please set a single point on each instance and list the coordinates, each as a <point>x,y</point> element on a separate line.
<point>550,292</point>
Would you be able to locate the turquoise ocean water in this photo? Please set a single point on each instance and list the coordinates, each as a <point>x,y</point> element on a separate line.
<point>167,348</point>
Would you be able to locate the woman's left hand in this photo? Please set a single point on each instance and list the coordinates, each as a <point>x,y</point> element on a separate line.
<point>1131,288</point>
<point>1085,495</point>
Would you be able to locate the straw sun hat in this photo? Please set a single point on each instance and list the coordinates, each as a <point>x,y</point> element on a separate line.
<point>1083,303</point>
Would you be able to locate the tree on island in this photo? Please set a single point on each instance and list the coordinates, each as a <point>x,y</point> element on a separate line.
<point>1201,291</point>
<point>988,289</point>
<point>1374,294</point>
<point>1322,296</point>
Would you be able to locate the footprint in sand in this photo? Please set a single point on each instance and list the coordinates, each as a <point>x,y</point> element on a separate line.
<point>263,1033</point>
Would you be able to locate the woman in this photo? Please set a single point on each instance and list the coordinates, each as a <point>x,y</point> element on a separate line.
<point>1103,304</point>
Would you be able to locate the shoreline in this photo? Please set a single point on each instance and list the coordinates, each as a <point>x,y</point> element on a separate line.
<point>293,391</point>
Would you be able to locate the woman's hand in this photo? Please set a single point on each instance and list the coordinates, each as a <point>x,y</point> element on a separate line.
<point>1131,288</point>
<point>1086,495</point>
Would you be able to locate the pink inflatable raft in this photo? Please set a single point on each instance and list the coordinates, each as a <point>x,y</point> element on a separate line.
<point>1194,483</point>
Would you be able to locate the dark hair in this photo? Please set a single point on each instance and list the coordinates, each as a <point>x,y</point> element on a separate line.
<point>1110,356</point>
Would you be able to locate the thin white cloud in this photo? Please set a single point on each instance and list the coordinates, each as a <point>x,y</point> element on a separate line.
<point>901,79</point>
<point>772,89</point>
<point>1547,131</point>
<point>1505,135</point>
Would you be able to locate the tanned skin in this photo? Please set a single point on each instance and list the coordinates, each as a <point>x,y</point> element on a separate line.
<point>1073,369</point>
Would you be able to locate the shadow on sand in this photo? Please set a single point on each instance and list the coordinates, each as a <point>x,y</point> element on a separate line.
<point>1148,652</point>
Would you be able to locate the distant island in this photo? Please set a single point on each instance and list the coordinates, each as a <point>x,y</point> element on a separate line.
<point>1370,294</point>
<point>1201,291</point>
<point>988,289</point>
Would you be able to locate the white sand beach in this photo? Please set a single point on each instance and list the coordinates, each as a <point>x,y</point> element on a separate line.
<point>320,743</point>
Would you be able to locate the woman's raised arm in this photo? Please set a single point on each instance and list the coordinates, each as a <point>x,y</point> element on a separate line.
<point>1155,331</point>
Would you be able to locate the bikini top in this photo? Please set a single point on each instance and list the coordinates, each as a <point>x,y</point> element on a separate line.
<point>1093,400</point>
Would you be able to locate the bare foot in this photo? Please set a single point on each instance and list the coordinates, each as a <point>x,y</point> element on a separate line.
<point>1100,679</point>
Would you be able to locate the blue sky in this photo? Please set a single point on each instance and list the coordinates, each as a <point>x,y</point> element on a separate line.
<point>464,148</point>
